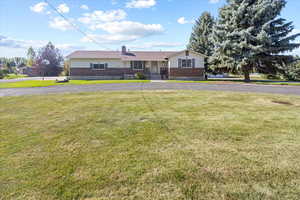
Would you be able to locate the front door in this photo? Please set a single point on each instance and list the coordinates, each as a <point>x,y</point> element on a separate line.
<point>154,67</point>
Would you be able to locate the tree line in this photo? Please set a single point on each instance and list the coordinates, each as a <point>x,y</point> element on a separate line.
<point>248,36</point>
<point>47,61</point>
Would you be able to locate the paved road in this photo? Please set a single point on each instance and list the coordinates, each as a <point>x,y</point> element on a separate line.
<point>291,90</point>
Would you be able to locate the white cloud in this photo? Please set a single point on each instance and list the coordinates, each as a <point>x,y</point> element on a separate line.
<point>99,16</point>
<point>214,1</point>
<point>84,7</point>
<point>130,28</point>
<point>109,38</point>
<point>63,8</point>
<point>124,31</point>
<point>67,48</point>
<point>16,47</point>
<point>182,20</point>
<point>14,43</point>
<point>39,7</point>
<point>117,29</point>
<point>60,24</point>
<point>141,3</point>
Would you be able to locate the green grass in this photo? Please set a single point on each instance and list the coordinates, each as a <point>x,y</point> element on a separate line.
<point>14,76</point>
<point>232,81</point>
<point>187,81</point>
<point>279,83</point>
<point>45,83</point>
<point>174,145</point>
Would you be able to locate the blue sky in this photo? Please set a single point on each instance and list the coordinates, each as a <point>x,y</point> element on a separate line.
<point>138,24</point>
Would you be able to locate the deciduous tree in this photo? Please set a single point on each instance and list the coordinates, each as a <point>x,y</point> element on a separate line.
<point>49,60</point>
<point>31,55</point>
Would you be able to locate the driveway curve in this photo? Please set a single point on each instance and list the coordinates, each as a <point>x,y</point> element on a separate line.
<point>289,90</point>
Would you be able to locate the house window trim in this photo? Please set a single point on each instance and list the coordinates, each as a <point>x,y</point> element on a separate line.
<point>187,60</point>
<point>138,69</point>
<point>99,63</point>
<point>164,64</point>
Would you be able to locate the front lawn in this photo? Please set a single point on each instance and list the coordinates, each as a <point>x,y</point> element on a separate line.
<point>45,83</point>
<point>150,145</point>
<point>234,81</point>
<point>14,76</point>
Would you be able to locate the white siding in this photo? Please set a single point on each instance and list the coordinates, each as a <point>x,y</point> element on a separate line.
<point>126,64</point>
<point>85,63</point>
<point>199,60</point>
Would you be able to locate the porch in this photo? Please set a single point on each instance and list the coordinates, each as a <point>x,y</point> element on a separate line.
<point>154,70</point>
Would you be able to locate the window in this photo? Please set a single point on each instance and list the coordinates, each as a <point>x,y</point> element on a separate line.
<point>137,65</point>
<point>183,63</point>
<point>186,63</point>
<point>165,64</point>
<point>99,66</point>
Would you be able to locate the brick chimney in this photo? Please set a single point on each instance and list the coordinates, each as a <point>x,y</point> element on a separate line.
<point>124,51</point>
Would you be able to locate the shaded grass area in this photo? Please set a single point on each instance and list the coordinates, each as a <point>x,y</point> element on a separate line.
<point>45,83</point>
<point>110,145</point>
<point>233,81</point>
<point>14,76</point>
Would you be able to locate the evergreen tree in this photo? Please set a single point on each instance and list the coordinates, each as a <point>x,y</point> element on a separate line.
<point>291,72</point>
<point>249,35</point>
<point>200,37</point>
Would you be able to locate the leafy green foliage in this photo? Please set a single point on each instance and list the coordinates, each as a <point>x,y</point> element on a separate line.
<point>292,72</point>
<point>140,76</point>
<point>49,60</point>
<point>11,64</point>
<point>31,56</point>
<point>2,75</point>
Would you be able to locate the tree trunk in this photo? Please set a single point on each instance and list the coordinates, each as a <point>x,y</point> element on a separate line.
<point>247,75</point>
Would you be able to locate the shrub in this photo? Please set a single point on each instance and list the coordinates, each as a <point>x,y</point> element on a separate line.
<point>63,73</point>
<point>271,76</point>
<point>3,73</point>
<point>140,76</point>
<point>292,72</point>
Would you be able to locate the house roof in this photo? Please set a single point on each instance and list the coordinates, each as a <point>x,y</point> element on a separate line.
<point>147,55</point>
<point>128,56</point>
<point>95,54</point>
<point>179,52</point>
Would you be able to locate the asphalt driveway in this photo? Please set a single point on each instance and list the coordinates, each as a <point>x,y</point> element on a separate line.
<point>289,90</point>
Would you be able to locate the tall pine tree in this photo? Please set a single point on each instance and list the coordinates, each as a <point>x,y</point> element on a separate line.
<point>249,35</point>
<point>200,37</point>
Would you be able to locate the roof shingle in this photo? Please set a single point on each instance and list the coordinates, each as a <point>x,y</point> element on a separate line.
<point>130,55</point>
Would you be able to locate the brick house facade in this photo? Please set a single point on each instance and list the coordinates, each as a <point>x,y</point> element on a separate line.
<point>123,64</point>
